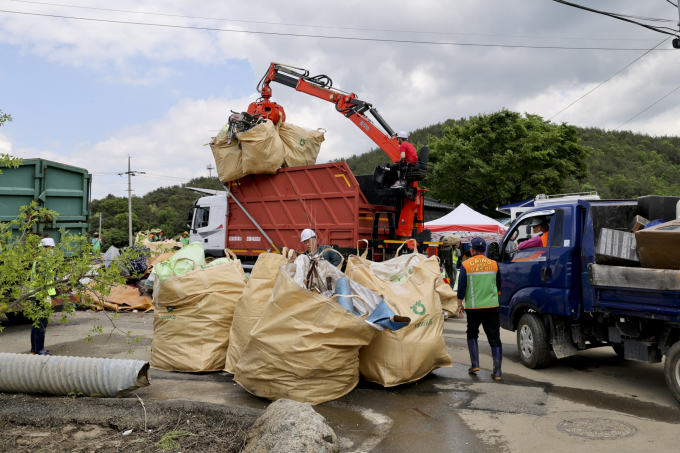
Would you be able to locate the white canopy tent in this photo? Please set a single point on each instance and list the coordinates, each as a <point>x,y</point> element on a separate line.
<point>467,223</point>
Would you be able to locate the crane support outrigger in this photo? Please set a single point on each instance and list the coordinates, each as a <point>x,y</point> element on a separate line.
<point>321,86</point>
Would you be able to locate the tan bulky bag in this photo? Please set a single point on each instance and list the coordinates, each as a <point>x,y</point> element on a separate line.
<point>305,347</point>
<point>228,158</point>
<point>193,316</point>
<point>262,149</point>
<point>251,304</point>
<point>300,146</point>
<point>409,354</point>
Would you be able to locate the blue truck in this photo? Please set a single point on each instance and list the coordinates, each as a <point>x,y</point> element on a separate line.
<point>562,298</point>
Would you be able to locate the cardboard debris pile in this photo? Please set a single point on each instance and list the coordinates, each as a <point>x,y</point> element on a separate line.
<point>652,239</point>
<point>264,149</point>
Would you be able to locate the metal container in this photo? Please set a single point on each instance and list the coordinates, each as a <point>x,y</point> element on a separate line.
<point>58,187</point>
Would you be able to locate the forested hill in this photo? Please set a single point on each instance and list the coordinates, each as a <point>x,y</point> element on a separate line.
<point>165,208</point>
<point>621,164</point>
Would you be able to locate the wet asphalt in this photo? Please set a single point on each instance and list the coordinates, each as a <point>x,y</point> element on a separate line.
<point>447,411</point>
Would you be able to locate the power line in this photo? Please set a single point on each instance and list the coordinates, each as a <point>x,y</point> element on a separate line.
<point>625,18</point>
<point>318,26</point>
<point>676,89</point>
<point>343,38</point>
<point>626,67</point>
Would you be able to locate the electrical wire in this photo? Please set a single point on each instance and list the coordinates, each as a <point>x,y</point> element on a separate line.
<point>620,71</point>
<point>625,18</point>
<point>319,26</point>
<point>669,1</point>
<point>343,38</point>
<point>676,89</point>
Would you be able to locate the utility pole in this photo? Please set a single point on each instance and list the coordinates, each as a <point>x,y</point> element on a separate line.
<point>210,168</point>
<point>100,226</point>
<point>130,174</point>
<point>676,41</point>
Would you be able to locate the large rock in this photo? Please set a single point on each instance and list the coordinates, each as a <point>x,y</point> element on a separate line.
<point>291,427</point>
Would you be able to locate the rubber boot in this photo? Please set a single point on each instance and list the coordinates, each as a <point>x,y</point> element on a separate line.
<point>474,356</point>
<point>33,329</point>
<point>497,354</point>
<point>40,342</point>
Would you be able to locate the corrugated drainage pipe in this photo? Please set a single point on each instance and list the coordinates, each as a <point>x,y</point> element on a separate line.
<point>59,375</point>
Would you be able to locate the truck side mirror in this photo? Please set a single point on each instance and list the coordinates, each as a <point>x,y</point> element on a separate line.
<point>493,251</point>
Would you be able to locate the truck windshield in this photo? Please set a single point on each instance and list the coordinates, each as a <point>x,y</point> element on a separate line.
<point>521,232</point>
<point>201,217</point>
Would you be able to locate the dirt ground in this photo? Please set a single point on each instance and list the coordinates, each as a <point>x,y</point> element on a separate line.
<point>53,424</point>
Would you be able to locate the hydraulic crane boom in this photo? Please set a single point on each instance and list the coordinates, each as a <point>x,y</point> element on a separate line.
<point>352,108</point>
<point>321,87</point>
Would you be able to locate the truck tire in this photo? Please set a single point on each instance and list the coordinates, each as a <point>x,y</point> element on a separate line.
<point>532,342</point>
<point>618,349</point>
<point>671,370</point>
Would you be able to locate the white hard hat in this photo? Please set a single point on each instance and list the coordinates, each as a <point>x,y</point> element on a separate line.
<point>307,234</point>
<point>402,134</point>
<point>47,242</point>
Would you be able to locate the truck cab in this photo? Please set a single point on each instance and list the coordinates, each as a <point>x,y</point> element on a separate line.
<point>563,297</point>
<point>207,222</point>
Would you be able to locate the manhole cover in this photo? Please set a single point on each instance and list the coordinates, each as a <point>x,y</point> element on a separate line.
<point>596,428</point>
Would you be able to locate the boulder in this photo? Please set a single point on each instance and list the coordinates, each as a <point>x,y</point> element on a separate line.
<point>291,427</point>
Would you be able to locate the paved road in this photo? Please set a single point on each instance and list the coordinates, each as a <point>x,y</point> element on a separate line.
<point>593,400</point>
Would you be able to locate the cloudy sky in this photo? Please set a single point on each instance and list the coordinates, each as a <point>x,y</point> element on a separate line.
<point>88,93</point>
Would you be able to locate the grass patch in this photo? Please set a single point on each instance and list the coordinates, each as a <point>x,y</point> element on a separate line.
<point>167,442</point>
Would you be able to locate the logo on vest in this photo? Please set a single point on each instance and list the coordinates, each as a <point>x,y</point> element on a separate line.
<point>418,308</point>
<point>303,142</point>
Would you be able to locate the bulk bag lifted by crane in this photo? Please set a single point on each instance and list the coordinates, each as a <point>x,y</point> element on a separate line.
<point>407,355</point>
<point>305,347</point>
<point>251,304</point>
<point>300,146</point>
<point>228,158</point>
<point>262,149</point>
<point>193,316</point>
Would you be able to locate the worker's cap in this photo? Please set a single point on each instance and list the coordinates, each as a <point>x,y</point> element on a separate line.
<point>540,220</point>
<point>478,244</point>
<point>402,134</point>
<point>450,240</point>
<point>307,234</point>
<point>47,242</point>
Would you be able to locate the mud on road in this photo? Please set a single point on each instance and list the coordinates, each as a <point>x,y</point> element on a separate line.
<point>54,424</point>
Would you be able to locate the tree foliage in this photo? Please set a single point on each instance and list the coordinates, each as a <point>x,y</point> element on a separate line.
<point>5,159</point>
<point>622,165</point>
<point>498,158</point>
<point>164,208</point>
<point>29,272</point>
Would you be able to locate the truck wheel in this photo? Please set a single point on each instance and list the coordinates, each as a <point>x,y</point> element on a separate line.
<point>671,370</point>
<point>618,349</point>
<point>532,342</point>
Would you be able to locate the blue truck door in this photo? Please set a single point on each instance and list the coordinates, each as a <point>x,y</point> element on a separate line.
<point>523,271</point>
<point>563,265</point>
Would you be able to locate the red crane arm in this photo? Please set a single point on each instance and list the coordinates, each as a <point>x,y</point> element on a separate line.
<point>346,103</point>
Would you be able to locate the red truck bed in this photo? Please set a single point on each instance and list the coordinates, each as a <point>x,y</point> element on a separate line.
<point>324,197</point>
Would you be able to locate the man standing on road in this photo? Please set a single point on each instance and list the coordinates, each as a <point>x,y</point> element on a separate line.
<point>308,238</point>
<point>38,332</point>
<point>478,283</point>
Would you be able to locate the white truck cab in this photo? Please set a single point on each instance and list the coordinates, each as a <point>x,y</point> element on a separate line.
<point>207,221</point>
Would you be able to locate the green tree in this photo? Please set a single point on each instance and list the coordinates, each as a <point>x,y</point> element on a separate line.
<point>7,160</point>
<point>29,273</point>
<point>490,160</point>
